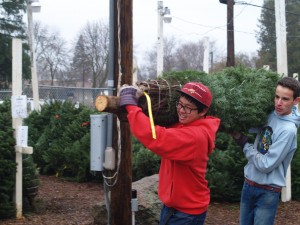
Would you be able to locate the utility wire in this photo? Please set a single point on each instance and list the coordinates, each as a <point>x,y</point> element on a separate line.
<point>271,9</point>
<point>222,27</point>
<point>263,7</point>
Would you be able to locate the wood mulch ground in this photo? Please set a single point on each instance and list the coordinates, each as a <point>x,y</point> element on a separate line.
<point>61,202</point>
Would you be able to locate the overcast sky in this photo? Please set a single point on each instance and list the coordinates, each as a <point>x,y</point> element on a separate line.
<point>191,20</point>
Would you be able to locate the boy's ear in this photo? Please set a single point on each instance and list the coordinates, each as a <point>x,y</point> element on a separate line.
<point>297,100</point>
<point>204,111</point>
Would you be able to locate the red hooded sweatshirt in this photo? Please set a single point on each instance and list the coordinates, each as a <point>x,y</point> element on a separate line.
<point>184,151</point>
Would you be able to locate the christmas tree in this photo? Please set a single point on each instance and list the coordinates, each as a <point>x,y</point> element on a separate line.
<point>242,97</point>
<point>7,162</point>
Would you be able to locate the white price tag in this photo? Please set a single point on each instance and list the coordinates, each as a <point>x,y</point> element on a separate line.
<point>22,136</point>
<point>19,106</point>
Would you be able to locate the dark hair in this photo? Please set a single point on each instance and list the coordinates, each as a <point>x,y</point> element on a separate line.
<point>292,84</point>
<point>199,105</point>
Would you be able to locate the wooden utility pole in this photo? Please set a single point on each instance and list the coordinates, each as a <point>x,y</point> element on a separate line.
<point>281,45</point>
<point>17,90</point>
<point>230,34</point>
<point>282,69</point>
<point>19,111</point>
<point>120,210</point>
<point>34,78</point>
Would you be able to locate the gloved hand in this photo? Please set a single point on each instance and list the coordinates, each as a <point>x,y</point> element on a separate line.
<point>240,139</point>
<point>129,95</point>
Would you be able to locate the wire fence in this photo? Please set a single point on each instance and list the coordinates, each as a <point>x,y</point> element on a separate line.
<point>85,96</point>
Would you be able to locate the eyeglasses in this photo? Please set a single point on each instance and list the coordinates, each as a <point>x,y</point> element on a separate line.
<point>186,109</point>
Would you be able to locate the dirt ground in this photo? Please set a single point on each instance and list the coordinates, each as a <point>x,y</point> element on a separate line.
<point>62,202</point>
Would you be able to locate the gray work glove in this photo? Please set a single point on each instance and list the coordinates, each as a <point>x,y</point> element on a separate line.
<point>129,95</point>
<point>240,139</point>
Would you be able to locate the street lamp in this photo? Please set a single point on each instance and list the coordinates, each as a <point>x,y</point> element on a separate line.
<point>35,88</point>
<point>163,16</point>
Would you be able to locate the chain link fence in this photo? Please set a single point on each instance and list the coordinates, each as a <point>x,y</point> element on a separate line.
<point>85,96</point>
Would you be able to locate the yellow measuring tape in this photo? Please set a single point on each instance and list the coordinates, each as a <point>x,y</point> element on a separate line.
<point>150,115</point>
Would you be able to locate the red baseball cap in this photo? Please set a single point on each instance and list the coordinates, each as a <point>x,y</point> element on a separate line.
<point>197,91</point>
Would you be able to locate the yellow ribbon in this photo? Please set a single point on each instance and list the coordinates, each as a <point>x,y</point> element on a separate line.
<point>150,115</point>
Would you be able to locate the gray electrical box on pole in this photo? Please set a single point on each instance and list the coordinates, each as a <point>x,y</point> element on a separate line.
<point>98,141</point>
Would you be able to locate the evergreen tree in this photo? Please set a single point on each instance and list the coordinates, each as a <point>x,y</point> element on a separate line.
<point>144,162</point>
<point>296,172</point>
<point>293,36</point>
<point>225,173</point>
<point>7,162</point>
<point>81,65</point>
<point>11,25</point>
<point>242,97</point>
<point>267,36</point>
<point>48,152</point>
<point>36,121</point>
<point>8,166</point>
<point>77,159</point>
<point>31,179</point>
<point>73,147</point>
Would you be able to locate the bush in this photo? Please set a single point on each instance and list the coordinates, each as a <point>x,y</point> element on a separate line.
<point>77,163</point>
<point>242,97</point>
<point>225,171</point>
<point>295,173</point>
<point>61,139</point>
<point>145,162</point>
<point>31,179</point>
<point>7,162</point>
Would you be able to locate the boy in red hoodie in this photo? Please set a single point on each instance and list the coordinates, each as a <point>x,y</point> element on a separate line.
<point>183,148</point>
